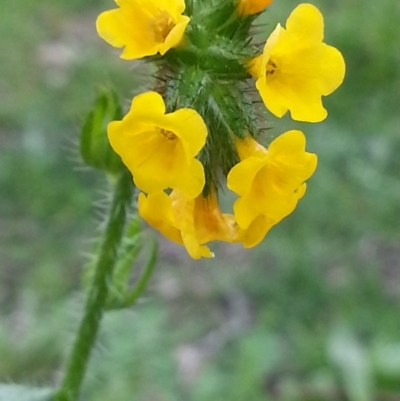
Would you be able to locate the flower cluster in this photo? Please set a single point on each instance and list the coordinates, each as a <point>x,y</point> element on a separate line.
<point>199,132</point>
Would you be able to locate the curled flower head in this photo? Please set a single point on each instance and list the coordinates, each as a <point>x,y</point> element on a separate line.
<point>250,7</point>
<point>269,182</point>
<point>160,149</point>
<point>143,27</point>
<point>189,222</point>
<point>296,68</point>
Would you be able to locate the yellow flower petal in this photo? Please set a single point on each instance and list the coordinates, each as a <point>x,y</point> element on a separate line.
<point>244,214</point>
<point>256,66</point>
<point>295,95</point>
<point>156,209</point>
<point>241,176</point>
<point>211,224</point>
<point>256,232</point>
<point>261,224</point>
<point>306,25</point>
<point>184,213</point>
<point>174,7</point>
<point>292,164</point>
<point>333,69</point>
<point>143,28</point>
<point>155,161</point>
<point>189,126</point>
<point>249,147</point>
<point>301,191</point>
<point>173,218</point>
<point>121,27</point>
<point>148,104</point>
<point>112,28</point>
<point>189,181</point>
<point>296,69</point>
<point>174,38</point>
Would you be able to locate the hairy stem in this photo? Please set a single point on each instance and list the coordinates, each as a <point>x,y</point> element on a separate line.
<point>98,292</point>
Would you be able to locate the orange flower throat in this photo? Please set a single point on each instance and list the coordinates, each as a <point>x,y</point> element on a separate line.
<point>162,25</point>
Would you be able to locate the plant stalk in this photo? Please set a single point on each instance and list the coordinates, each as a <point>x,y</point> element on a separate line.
<point>97,297</point>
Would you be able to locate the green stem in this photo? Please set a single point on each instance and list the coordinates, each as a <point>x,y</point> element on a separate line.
<point>124,298</point>
<point>97,296</point>
<point>144,278</point>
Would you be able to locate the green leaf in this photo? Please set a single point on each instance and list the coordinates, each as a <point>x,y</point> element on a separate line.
<point>96,150</point>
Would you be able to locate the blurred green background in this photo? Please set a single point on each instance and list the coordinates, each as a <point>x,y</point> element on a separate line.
<point>311,314</point>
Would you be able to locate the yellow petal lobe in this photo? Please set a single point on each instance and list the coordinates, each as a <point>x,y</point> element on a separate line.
<point>156,210</point>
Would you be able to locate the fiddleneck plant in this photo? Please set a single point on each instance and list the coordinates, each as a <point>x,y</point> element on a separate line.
<point>196,132</point>
<point>189,137</point>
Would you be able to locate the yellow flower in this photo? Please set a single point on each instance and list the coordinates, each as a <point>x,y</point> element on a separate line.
<point>144,27</point>
<point>189,222</point>
<point>296,68</point>
<point>269,182</point>
<point>249,7</point>
<point>160,149</point>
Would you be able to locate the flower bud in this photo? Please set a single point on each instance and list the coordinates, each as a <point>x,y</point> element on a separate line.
<point>95,147</point>
<point>250,7</point>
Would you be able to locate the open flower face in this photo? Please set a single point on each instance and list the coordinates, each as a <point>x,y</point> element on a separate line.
<point>296,68</point>
<point>270,183</point>
<point>160,149</point>
<point>143,27</point>
<point>249,7</point>
<point>189,222</point>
